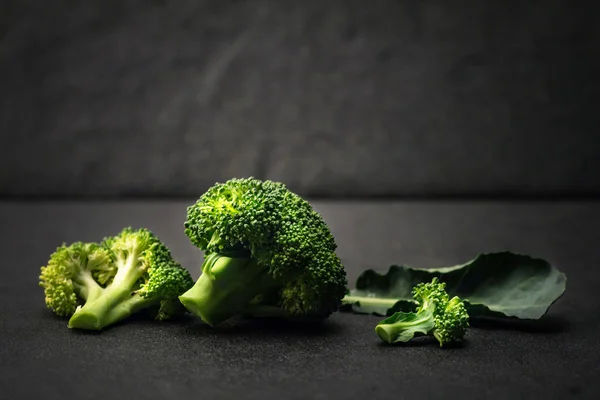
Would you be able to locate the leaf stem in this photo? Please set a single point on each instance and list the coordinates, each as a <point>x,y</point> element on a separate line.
<point>369,301</point>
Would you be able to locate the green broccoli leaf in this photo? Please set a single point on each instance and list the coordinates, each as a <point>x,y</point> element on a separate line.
<point>503,284</point>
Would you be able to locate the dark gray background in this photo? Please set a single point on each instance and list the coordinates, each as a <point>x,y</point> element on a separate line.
<point>335,98</point>
<point>552,358</point>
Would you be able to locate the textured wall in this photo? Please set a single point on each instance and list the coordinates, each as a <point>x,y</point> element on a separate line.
<point>334,98</point>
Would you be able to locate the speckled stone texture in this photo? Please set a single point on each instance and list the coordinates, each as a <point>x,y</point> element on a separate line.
<point>553,358</point>
<point>336,98</point>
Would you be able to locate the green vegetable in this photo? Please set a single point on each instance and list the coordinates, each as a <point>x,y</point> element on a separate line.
<point>267,254</point>
<point>437,315</point>
<point>121,276</point>
<point>497,285</point>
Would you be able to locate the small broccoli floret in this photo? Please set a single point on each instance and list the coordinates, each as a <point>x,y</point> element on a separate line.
<point>437,315</point>
<point>267,253</point>
<point>97,285</point>
<point>70,276</point>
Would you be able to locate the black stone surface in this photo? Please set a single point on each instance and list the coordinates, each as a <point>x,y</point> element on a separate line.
<point>335,98</point>
<point>553,358</point>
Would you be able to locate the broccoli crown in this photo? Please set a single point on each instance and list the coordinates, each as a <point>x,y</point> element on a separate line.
<point>451,324</point>
<point>281,231</point>
<point>159,274</point>
<point>69,272</point>
<point>430,294</point>
<point>450,316</point>
<point>437,315</point>
<point>128,272</point>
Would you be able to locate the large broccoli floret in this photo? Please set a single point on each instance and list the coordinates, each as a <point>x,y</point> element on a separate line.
<point>437,315</point>
<point>98,285</point>
<point>267,253</point>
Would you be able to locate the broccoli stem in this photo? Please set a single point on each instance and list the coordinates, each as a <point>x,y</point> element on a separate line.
<point>88,288</point>
<point>226,287</point>
<point>94,314</point>
<point>370,301</point>
<point>114,302</point>
<point>127,308</point>
<point>402,327</point>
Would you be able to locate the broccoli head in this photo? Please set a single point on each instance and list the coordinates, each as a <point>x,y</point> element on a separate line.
<point>437,315</point>
<point>97,285</point>
<point>266,253</point>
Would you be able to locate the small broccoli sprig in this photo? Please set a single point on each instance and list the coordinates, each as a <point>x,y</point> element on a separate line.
<point>267,253</point>
<point>97,285</point>
<point>437,315</point>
